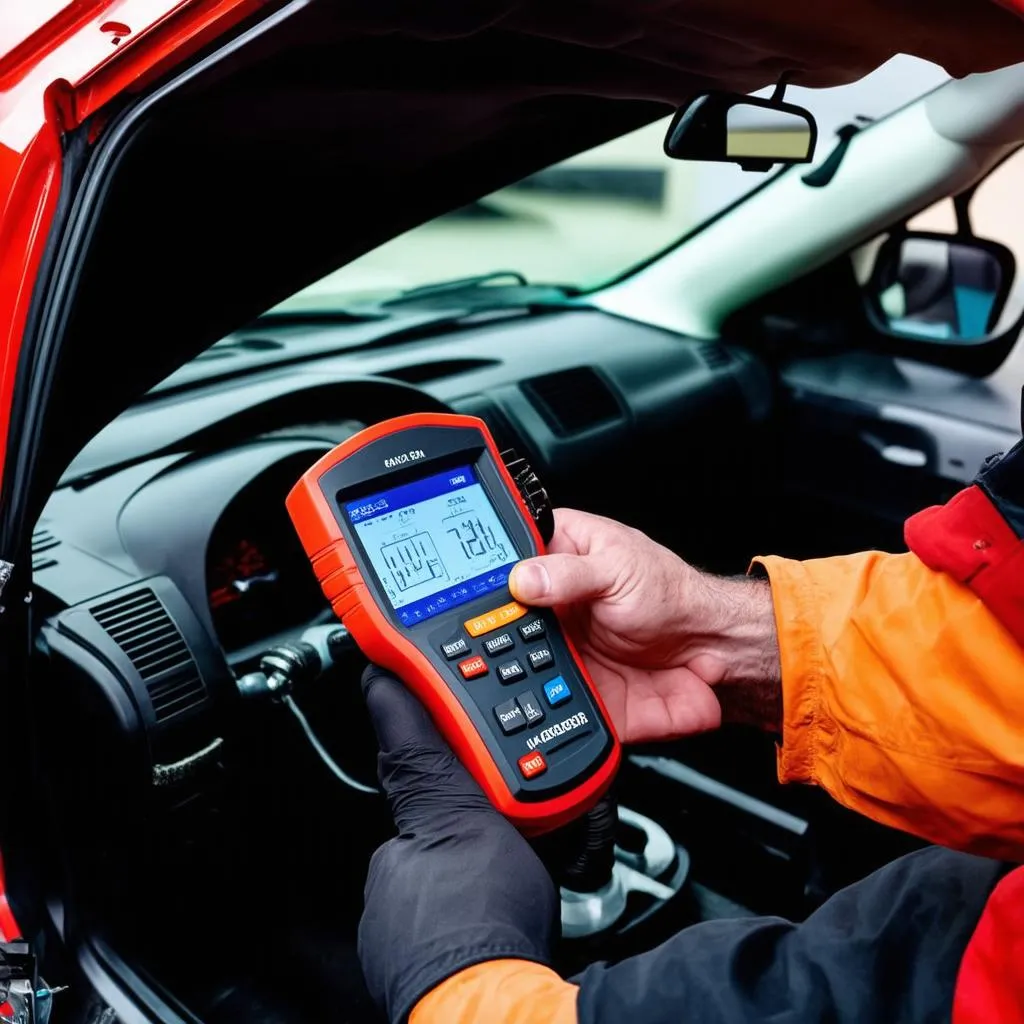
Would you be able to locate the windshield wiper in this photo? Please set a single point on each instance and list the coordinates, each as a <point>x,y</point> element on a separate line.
<point>483,291</point>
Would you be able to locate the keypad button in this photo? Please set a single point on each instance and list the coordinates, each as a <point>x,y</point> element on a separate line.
<point>473,667</point>
<point>531,707</point>
<point>511,671</point>
<point>510,717</point>
<point>532,765</point>
<point>492,620</point>
<point>532,630</point>
<point>540,657</point>
<point>499,643</point>
<point>455,647</point>
<point>556,691</point>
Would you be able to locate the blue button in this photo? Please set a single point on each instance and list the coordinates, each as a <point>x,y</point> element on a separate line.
<point>557,691</point>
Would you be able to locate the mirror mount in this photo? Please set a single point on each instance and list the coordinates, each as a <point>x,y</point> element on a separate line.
<point>729,127</point>
<point>779,93</point>
<point>962,207</point>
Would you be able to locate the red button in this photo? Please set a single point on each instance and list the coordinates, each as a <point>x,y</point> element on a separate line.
<point>473,667</point>
<point>532,765</point>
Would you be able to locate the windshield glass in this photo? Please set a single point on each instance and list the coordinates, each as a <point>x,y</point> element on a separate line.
<point>589,219</point>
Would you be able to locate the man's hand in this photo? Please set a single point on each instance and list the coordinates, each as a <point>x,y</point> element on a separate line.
<point>458,885</point>
<point>656,634</point>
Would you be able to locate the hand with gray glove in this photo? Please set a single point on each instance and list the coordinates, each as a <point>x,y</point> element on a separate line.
<point>458,885</point>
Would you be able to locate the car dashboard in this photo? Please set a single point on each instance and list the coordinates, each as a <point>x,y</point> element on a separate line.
<point>165,567</point>
<point>592,401</point>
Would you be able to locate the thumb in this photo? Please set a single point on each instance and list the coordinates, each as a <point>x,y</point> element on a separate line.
<point>561,579</point>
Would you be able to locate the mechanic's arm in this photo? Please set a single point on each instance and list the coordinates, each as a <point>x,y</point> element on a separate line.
<point>903,698</point>
<point>892,679</point>
<point>885,949</point>
<point>902,674</point>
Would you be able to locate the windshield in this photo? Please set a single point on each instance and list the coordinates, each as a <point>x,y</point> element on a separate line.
<point>589,219</point>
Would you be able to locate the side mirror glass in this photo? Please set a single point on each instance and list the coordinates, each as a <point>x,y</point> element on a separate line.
<point>725,127</point>
<point>940,288</point>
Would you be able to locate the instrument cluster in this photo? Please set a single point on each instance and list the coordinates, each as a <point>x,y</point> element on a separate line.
<point>259,581</point>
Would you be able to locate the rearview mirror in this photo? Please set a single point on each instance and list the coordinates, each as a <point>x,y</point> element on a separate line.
<point>725,127</point>
<point>941,288</point>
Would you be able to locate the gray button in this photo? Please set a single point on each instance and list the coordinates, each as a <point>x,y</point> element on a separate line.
<point>510,717</point>
<point>532,630</point>
<point>455,648</point>
<point>540,657</point>
<point>530,706</point>
<point>511,671</point>
<point>499,643</point>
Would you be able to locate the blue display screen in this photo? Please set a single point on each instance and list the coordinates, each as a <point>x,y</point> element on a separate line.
<point>434,543</point>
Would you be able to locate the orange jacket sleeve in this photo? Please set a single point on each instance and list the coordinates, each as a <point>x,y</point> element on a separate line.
<point>903,698</point>
<point>509,991</point>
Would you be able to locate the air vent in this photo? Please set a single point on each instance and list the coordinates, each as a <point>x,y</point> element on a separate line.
<point>421,373</point>
<point>573,401</point>
<point>715,356</point>
<point>42,541</point>
<point>139,624</point>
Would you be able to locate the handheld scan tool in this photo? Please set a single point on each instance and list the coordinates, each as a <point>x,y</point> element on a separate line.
<point>413,526</point>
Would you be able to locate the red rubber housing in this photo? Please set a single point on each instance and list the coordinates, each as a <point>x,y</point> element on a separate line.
<point>384,644</point>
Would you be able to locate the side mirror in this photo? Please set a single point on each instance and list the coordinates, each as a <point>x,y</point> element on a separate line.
<point>943,288</point>
<point>726,127</point>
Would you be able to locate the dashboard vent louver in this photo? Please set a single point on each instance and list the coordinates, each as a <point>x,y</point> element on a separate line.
<point>715,356</point>
<point>572,401</point>
<point>43,541</point>
<point>139,624</point>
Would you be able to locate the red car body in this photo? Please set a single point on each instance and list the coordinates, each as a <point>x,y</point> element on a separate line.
<point>61,63</point>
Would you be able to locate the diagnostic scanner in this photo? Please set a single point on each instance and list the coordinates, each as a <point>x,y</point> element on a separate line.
<point>413,526</point>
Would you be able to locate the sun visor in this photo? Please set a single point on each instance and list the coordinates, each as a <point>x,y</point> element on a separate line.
<point>638,50</point>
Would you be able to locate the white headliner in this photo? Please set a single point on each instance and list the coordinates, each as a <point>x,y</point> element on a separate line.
<point>930,149</point>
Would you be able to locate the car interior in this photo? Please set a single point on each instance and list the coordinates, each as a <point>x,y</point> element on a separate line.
<point>189,848</point>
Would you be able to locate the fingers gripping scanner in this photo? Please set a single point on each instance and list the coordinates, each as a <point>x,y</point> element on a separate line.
<point>413,526</point>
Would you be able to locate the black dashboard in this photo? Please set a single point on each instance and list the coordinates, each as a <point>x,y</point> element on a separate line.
<point>165,563</point>
<point>589,398</point>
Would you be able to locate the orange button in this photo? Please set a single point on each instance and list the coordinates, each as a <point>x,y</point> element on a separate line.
<point>473,667</point>
<point>532,765</point>
<point>493,620</point>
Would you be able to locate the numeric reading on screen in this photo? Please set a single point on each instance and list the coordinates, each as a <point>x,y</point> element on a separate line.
<point>434,543</point>
<point>477,540</point>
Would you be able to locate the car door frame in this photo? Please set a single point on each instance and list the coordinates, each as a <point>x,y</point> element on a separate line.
<point>54,190</point>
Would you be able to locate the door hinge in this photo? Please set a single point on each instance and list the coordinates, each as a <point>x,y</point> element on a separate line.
<point>6,568</point>
<point>24,997</point>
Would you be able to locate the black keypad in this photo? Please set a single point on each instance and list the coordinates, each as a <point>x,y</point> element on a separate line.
<point>455,648</point>
<point>530,707</point>
<point>532,630</point>
<point>540,658</point>
<point>510,717</point>
<point>511,671</point>
<point>498,644</point>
